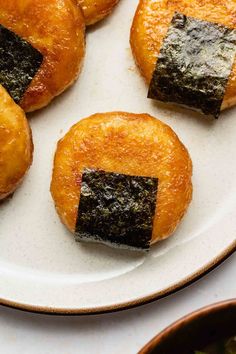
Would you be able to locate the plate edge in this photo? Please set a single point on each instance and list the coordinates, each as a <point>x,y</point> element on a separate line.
<point>129,304</point>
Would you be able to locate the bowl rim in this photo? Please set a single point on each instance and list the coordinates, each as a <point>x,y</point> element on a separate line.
<point>153,343</point>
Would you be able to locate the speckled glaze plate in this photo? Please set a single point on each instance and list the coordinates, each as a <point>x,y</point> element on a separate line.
<point>43,269</point>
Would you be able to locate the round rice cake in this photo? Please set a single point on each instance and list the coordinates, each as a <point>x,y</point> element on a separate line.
<point>96,10</point>
<point>56,29</point>
<point>152,20</point>
<point>16,147</point>
<point>126,143</point>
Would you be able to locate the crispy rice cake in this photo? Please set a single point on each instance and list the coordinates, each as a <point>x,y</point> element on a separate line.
<point>96,10</point>
<point>56,29</point>
<point>151,23</point>
<point>133,144</point>
<point>16,147</point>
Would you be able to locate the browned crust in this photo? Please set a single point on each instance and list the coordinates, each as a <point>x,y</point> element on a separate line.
<point>134,144</point>
<point>152,19</point>
<point>56,29</point>
<point>96,10</point>
<point>16,146</point>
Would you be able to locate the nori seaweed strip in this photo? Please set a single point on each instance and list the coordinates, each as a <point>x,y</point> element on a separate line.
<point>194,64</point>
<point>19,62</point>
<point>116,209</point>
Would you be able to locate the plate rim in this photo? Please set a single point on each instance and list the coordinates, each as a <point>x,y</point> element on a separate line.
<point>192,278</point>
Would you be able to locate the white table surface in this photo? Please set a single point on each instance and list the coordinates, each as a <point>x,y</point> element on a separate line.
<point>123,332</point>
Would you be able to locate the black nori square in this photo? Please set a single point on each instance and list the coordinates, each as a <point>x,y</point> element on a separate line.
<point>116,209</point>
<point>19,62</point>
<point>194,64</point>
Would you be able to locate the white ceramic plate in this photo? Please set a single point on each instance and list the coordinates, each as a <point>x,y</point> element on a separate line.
<point>41,266</point>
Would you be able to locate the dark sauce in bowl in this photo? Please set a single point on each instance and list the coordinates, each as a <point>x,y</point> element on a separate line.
<point>226,346</point>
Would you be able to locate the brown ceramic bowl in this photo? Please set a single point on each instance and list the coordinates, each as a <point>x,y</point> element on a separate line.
<point>195,331</point>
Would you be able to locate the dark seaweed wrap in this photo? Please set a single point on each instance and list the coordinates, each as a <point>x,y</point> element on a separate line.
<point>116,209</point>
<point>194,64</point>
<point>19,62</point>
